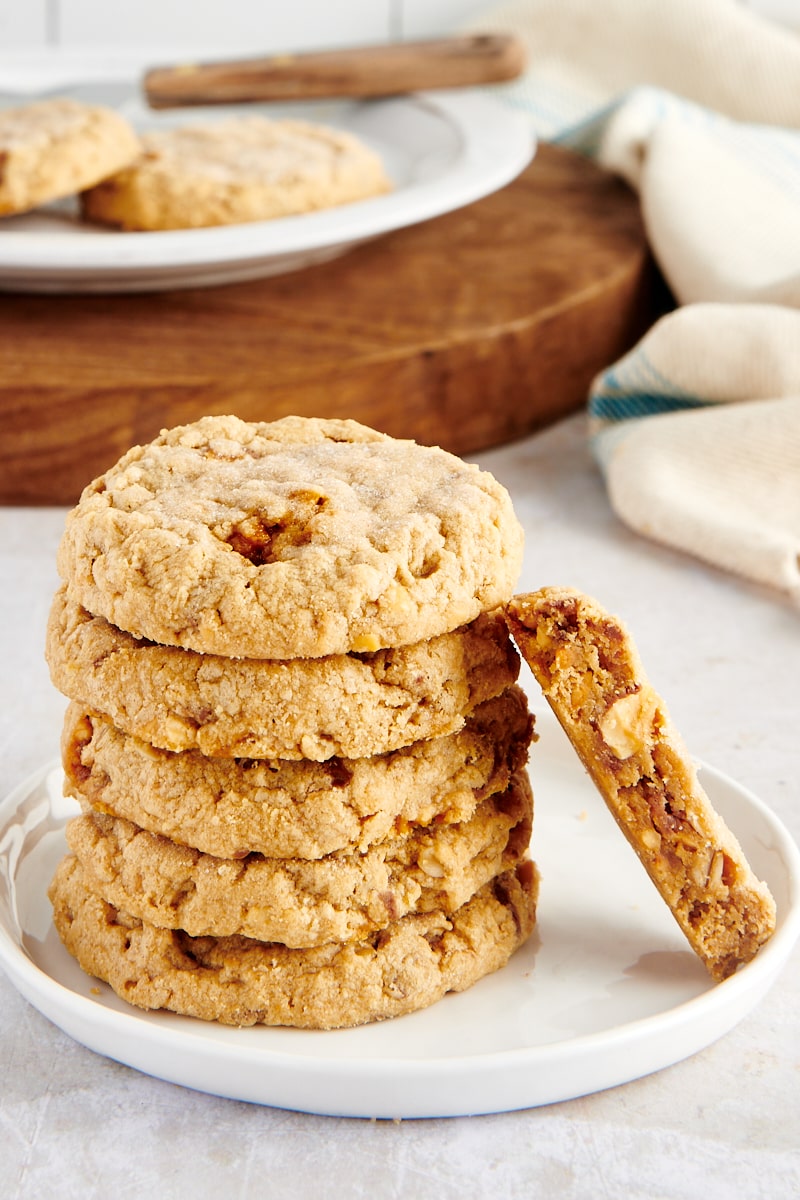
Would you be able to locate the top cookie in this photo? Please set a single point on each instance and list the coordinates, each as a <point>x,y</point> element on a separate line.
<point>299,538</point>
<point>54,148</point>
<point>238,170</point>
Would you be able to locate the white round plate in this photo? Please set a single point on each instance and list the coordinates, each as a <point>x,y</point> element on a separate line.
<point>442,150</point>
<point>605,992</point>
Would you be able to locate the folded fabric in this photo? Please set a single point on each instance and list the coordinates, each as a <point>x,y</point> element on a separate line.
<point>720,199</point>
<point>698,433</point>
<point>583,54</point>
<point>695,104</point>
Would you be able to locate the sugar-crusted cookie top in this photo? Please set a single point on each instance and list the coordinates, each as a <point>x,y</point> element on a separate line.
<point>237,170</point>
<point>53,148</point>
<point>299,538</point>
<point>251,148</point>
<point>44,123</point>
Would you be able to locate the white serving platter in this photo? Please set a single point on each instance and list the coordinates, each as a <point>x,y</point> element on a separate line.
<point>442,150</point>
<point>606,991</point>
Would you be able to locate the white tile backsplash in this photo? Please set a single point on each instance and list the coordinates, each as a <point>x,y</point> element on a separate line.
<point>251,26</point>
<point>24,24</point>
<point>254,26</point>
<point>430,18</point>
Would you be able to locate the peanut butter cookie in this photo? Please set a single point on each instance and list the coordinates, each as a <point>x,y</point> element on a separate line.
<point>54,148</point>
<point>297,902</point>
<point>351,705</point>
<point>299,538</point>
<point>236,170</point>
<point>239,981</point>
<point>591,674</point>
<point>295,809</point>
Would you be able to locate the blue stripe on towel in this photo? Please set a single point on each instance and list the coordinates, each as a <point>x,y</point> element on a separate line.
<point>625,407</point>
<point>635,387</point>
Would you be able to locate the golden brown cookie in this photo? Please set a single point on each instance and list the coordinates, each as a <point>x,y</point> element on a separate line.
<point>295,809</point>
<point>239,981</point>
<point>591,674</point>
<point>348,705</point>
<point>53,148</point>
<point>297,902</point>
<point>299,538</point>
<point>236,170</point>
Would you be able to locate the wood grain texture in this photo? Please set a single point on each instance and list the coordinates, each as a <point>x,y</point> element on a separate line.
<point>384,70</point>
<point>466,331</point>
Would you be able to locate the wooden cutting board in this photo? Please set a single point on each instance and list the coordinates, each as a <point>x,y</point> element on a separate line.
<point>466,331</point>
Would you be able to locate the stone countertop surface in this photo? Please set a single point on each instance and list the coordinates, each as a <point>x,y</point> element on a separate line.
<point>726,1122</point>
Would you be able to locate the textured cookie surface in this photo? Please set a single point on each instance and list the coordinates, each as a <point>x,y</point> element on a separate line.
<point>349,705</point>
<point>53,148</point>
<point>239,981</point>
<point>301,903</point>
<point>295,809</point>
<point>292,539</point>
<point>237,170</point>
<point>591,674</point>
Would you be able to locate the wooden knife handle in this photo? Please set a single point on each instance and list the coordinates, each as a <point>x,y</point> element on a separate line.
<point>383,70</point>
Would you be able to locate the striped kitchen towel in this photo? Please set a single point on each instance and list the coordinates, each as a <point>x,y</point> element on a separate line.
<point>696,104</point>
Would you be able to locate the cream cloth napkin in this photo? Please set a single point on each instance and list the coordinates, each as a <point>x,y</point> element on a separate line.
<point>696,103</point>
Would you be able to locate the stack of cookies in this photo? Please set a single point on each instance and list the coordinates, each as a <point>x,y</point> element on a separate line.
<point>294,726</point>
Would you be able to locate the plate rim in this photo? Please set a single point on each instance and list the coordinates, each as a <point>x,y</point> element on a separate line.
<point>691,1020</point>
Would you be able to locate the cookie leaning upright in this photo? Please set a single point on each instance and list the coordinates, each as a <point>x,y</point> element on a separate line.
<point>299,538</point>
<point>591,674</point>
<point>54,148</point>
